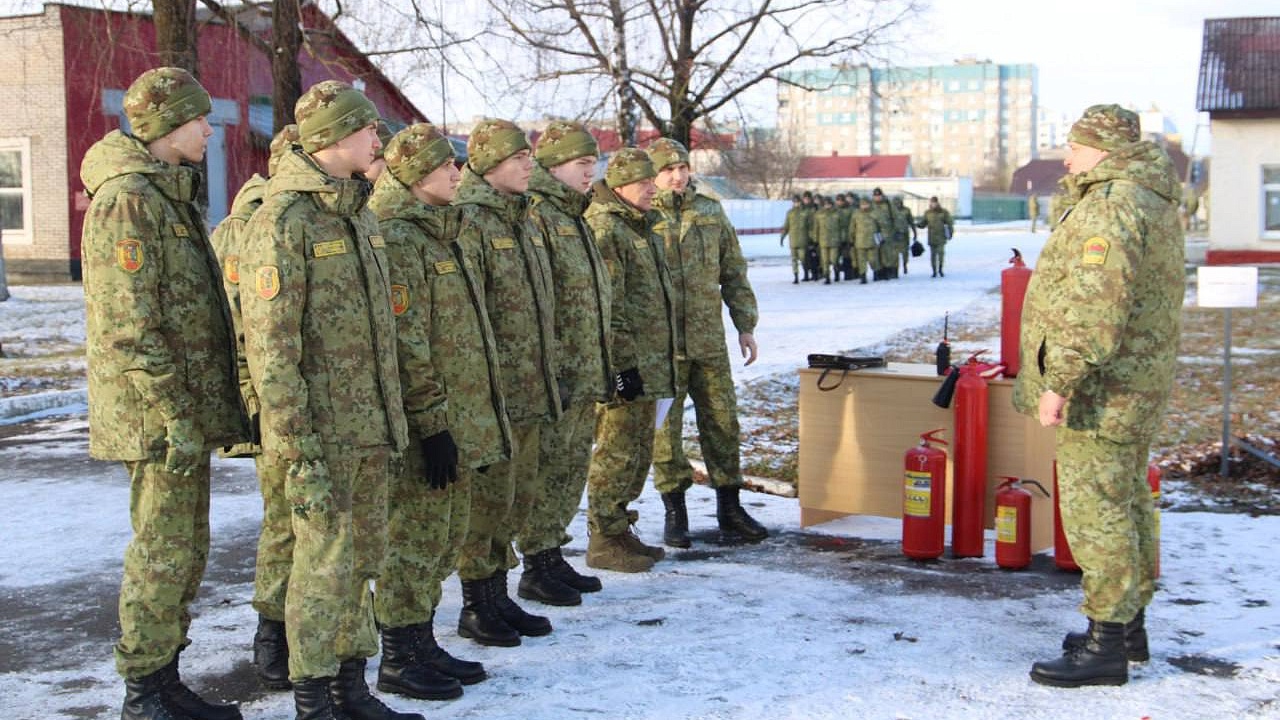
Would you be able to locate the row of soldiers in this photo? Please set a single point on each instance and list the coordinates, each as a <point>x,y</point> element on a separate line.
<point>846,235</point>
<point>427,369</point>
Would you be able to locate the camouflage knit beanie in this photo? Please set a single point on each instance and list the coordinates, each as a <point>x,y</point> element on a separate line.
<point>1105,127</point>
<point>280,145</point>
<point>665,152</point>
<point>563,141</point>
<point>384,137</point>
<point>628,165</point>
<point>416,151</point>
<point>330,111</point>
<point>493,141</point>
<point>163,99</point>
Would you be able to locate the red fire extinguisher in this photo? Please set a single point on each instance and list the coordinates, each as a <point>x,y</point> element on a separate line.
<point>1013,289</point>
<point>1013,523</point>
<point>1062,556</point>
<point>924,498</point>
<point>1153,481</point>
<point>969,493</point>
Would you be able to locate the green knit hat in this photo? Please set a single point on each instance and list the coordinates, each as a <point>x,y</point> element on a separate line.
<point>563,141</point>
<point>280,144</point>
<point>1106,127</point>
<point>384,137</point>
<point>493,141</point>
<point>628,165</point>
<point>163,99</point>
<point>416,151</point>
<point>330,111</point>
<point>665,152</point>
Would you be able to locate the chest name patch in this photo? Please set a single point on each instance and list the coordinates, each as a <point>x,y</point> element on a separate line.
<point>377,241</point>
<point>329,249</point>
<point>181,230</point>
<point>503,243</point>
<point>444,267</point>
<point>566,230</point>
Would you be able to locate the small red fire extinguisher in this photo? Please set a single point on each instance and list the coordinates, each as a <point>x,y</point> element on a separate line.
<point>1062,556</point>
<point>1013,523</point>
<point>924,498</point>
<point>1153,481</point>
<point>1013,290</point>
<point>969,491</point>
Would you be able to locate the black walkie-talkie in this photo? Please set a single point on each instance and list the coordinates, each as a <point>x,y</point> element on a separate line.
<point>942,356</point>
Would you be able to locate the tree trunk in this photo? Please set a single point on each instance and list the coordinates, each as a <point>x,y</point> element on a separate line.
<point>286,78</point>
<point>175,22</point>
<point>622,76</point>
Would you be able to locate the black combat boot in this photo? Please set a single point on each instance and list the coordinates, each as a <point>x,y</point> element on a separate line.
<point>806,274</point>
<point>539,582</point>
<point>1135,639</point>
<point>311,699</point>
<point>402,672</point>
<point>734,521</point>
<point>795,278</point>
<point>675,528</point>
<point>429,652</point>
<point>352,700</point>
<point>514,615</point>
<point>1100,661</point>
<point>480,619</point>
<point>566,574</point>
<point>271,654</point>
<point>144,699</point>
<point>183,699</point>
<point>862,278</point>
<point>826,280</point>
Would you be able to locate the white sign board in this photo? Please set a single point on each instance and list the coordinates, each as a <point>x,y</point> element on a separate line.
<point>1227,287</point>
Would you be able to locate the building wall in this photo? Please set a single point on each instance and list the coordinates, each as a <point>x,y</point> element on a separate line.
<point>33,118</point>
<point>1240,150</point>
<point>971,118</point>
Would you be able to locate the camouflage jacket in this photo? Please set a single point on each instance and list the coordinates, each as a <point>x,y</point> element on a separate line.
<point>643,316</point>
<point>863,227</point>
<point>449,373</point>
<point>826,227</point>
<point>158,331</point>
<point>226,239</point>
<point>1063,200</point>
<point>500,240</point>
<point>584,294</point>
<point>319,333</point>
<point>938,220</point>
<point>705,263</point>
<point>887,216</point>
<point>903,222</point>
<point>845,219</point>
<point>1100,322</point>
<point>798,225</point>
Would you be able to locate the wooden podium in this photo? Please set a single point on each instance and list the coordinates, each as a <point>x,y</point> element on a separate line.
<point>852,441</point>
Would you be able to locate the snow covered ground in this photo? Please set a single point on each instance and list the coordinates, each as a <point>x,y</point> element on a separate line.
<point>824,622</point>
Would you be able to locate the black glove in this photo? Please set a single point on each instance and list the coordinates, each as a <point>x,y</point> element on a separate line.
<point>629,384</point>
<point>440,457</point>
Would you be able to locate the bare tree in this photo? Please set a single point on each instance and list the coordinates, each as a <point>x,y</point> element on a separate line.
<point>764,163</point>
<point>680,61</point>
<point>175,22</point>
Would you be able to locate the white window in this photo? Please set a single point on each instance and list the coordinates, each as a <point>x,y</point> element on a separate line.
<point>1271,202</point>
<point>15,190</point>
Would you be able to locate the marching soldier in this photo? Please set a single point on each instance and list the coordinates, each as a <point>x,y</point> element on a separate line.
<point>940,225</point>
<point>866,234</point>
<point>798,226</point>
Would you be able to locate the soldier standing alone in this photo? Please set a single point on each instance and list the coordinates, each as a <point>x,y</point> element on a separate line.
<point>940,225</point>
<point>798,226</point>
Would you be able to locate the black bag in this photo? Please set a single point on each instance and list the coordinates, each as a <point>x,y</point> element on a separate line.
<point>843,363</point>
<point>917,249</point>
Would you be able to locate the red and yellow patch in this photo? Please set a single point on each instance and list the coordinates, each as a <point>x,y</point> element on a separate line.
<point>1095,251</point>
<point>231,269</point>
<point>129,255</point>
<point>268,282</point>
<point>399,299</point>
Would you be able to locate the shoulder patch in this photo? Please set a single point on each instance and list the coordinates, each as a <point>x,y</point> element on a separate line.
<point>444,267</point>
<point>181,230</point>
<point>129,255</point>
<point>331,247</point>
<point>503,243</point>
<point>377,241</point>
<point>231,269</point>
<point>267,282</point>
<point>399,299</point>
<point>1095,251</point>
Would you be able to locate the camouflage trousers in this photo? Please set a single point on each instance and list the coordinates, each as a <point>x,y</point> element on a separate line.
<point>936,255</point>
<point>864,256</point>
<point>709,382</point>
<point>1109,519</point>
<point>620,463</point>
<point>163,564</point>
<point>888,254</point>
<point>831,259</point>
<point>564,461</point>
<point>275,543</point>
<point>797,258</point>
<point>425,530</point>
<point>903,249</point>
<point>336,554</point>
<point>500,502</point>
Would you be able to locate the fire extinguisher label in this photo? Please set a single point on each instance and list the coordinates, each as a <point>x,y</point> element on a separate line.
<point>918,494</point>
<point>1006,524</point>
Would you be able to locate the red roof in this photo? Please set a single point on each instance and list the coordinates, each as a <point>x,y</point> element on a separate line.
<point>853,166</point>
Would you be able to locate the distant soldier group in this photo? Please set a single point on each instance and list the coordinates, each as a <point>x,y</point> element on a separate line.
<point>420,360</point>
<point>847,235</point>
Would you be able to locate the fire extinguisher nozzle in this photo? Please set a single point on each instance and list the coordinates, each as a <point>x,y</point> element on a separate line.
<point>947,390</point>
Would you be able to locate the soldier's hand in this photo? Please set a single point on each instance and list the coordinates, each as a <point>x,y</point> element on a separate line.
<point>747,343</point>
<point>186,453</point>
<point>440,458</point>
<point>308,489</point>
<point>628,384</point>
<point>1051,409</point>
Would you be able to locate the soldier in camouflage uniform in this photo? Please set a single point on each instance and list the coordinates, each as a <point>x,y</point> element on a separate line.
<point>866,234</point>
<point>643,353</point>
<point>844,257</point>
<point>798,226</point>
<point>705,263</point>
<point>904,231</point>
<point>887,249</point>
<point>940,225</point>
<point>566,163</point>
<point>1062,201</point>
<point>827,232</point>
<point>501,241</point>
<point>162,374</point>
<point>320,341</point>
<point>1102,319</point>
<point>275,539</point>
<point>453,402</point>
